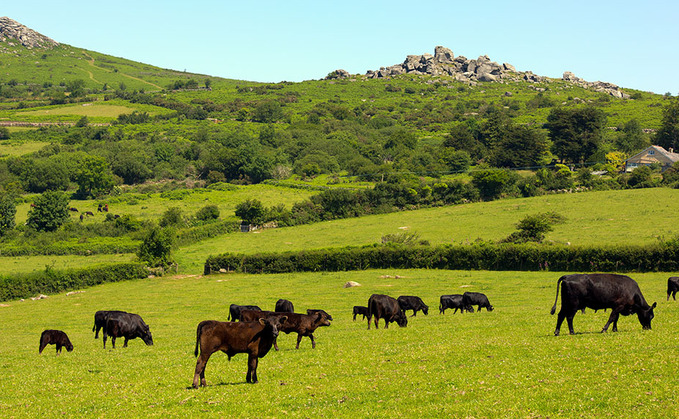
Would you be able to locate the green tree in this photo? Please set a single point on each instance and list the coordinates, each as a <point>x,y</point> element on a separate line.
<point>157,247</point>
<point>4,133</point>
<point>268,112</point>
<point>93,177</point>
<point>532,228</point>
<point>208,213</point>
<point>171,217</point>
<point>251,211</point>
<point>631,137</point>
<point>8,212</point>
<point>494,183</point>
<point>668,134</point>
<point>49,211</point>
<point>576,134</point>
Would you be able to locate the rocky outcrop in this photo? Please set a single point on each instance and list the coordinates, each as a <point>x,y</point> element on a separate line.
<point>13,32</point>
<point>473,71</point>
<point>598,86</point>
<point>444,63</point>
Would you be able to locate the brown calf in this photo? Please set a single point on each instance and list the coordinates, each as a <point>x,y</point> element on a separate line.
<point>302,324</point>
<point>253,338</point>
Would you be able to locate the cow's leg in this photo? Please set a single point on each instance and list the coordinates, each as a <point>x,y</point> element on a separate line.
<point>299,339</point>
<point>386,323</point>
<point>58,349</point>
<point>96,333</point>
<point>251,377</point>
<point>569,319</point>
<point>275,343</point>
<point>313,342</point>
<point>615,313</point>
<point>414,313</point>
<point>113,341</point>
<point>199,375</point>
<point>125,344</point>
<point>42,346</point>
<point>674,295</point>
<point>559,321</point>
<point>668,297</point>
<point>104,339</point>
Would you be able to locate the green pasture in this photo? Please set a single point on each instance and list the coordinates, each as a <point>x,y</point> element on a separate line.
<point>20,148</point>
<point>504,363</point>
<point>22,264</point>
<point>641,216</point>
<point>150,206</point>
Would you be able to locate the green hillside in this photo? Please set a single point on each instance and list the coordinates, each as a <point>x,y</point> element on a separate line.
<point>155,143</point>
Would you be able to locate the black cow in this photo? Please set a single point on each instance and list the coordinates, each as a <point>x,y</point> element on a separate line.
<point>235,309</point>
<point>127,325</point>
<point>360,310</point>
<point>302,324</point>
<point>253,338</point>
<point>672,287</point>
<point>410,302</point>
<point>100,320</point>
<point>620,293</point>
<point>284,306</point>
<point>54,337</point>
<point>385,307</point>
<point>453,301</point>
<point>318,310</point>
<point>476,299</point>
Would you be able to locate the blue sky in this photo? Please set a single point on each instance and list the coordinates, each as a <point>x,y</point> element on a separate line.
<point>629,43</point>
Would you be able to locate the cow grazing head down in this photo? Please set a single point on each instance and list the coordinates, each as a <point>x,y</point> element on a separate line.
<point>146,335</point>
<point>645,317</point>
<point>401,319</point>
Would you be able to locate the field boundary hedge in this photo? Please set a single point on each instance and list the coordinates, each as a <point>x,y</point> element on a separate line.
<point>661,257</point>
<point>60,249</point>
<point>51,281</point>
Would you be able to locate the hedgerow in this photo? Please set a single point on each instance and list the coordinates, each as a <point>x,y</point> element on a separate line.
<point>50,281</point>
<point>663,257</point>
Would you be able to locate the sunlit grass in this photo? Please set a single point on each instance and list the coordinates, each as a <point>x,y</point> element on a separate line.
<point>504,363</point>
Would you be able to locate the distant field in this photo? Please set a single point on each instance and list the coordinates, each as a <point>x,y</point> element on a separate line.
<point>23,264</point>
<point>504,363</point>
<point>87,109</point>
<point>10,148</point>
<point>640,216</point>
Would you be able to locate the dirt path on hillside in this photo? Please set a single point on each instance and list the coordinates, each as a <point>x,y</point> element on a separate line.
<point>91,62</point>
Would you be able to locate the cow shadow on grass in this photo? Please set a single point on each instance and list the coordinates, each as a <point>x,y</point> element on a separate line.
<point>241,383</point>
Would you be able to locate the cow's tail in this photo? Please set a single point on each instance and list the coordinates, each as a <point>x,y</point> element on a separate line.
<point>557,296</point>
<point>199,331</point>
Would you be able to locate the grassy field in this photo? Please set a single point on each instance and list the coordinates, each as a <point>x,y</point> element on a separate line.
<point>611,217</point>
<point>504,363</point>
<point>638,217</point>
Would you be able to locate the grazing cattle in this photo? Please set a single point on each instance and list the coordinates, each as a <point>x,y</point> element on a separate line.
<point>253,338</point>
<point>284,306</point>
<point>360,310</point>
<point>235,309</point>
<point>54,337</point>
<point>454,301</point>
<point>382,306</point>
<point>318,310</point>
<point>127,325</point>
<point>100,320</point>
<point>90,213</point>
<point>476,299</point>
<point>620,293</point>
<point>302,324</point>
<point>410,302</point>
<point>73,209</point>
<point>672,287</point>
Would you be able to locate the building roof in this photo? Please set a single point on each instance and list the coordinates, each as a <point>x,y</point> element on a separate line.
<point>655,151</point>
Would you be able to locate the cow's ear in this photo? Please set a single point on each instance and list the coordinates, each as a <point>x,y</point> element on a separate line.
<point>262,322</point>
<point>654,304</point>
<point>283,319</point>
